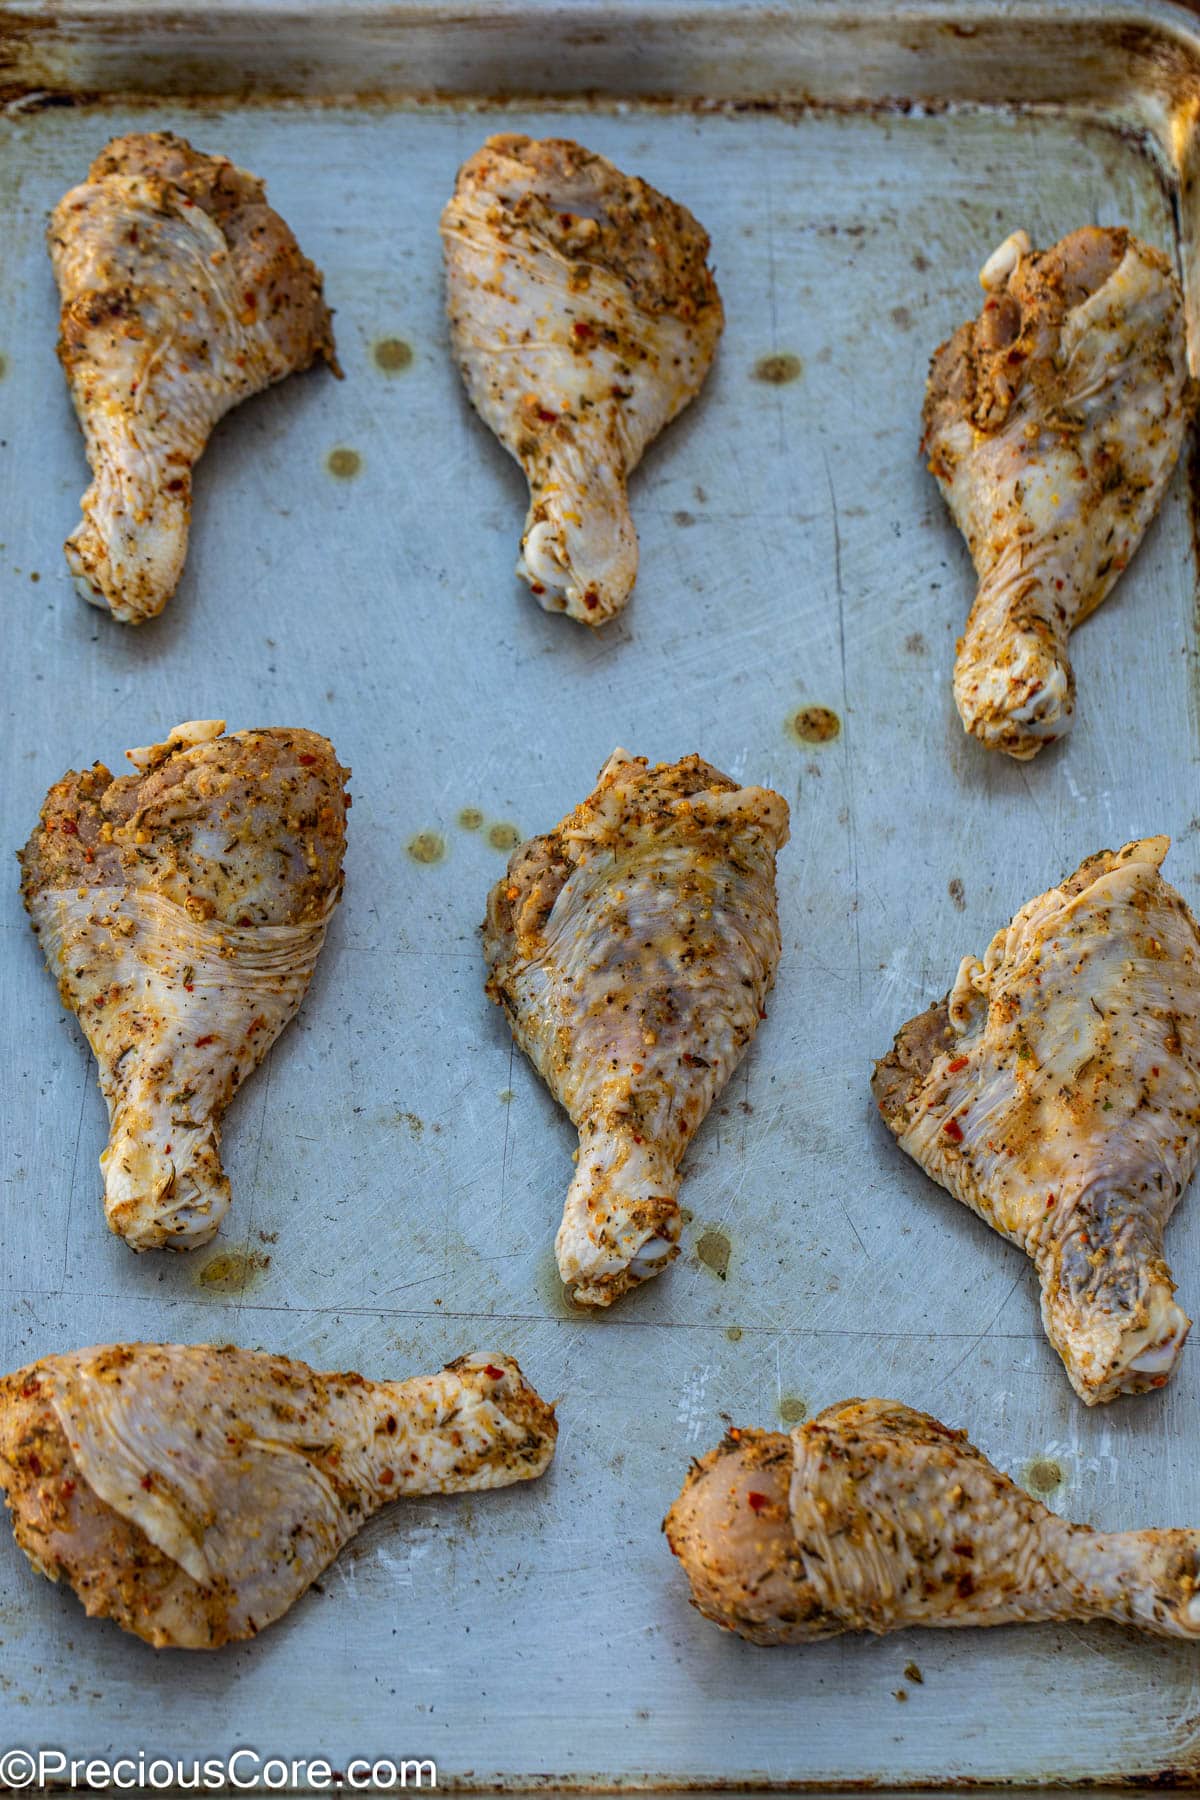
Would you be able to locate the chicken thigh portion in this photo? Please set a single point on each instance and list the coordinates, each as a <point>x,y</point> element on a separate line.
<point>1056,1092</point>
<point>873,1517</point>
<point>1052,424</point>
<point>181,911</point>
<point>584,317</point>
<point>192,1493</point>
<point>182,294</point>
<point>632,949</point>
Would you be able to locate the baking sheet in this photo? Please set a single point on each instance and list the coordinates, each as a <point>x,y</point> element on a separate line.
<point>397,1173</point>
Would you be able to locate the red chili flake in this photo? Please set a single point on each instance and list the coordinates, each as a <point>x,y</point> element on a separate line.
<point>495,1373</point>
<point>176,486</point>
<point>1049,1201</point>
<point>965,1586</point>
<point>148,1481</point>
<point>1154,1069</point>
<point>756,1501</point>
<point>209,1038</point>
<point>386,1477</point>
<point>70,827</point>
<point>547,418</point>
<point>66,1490</point>
<point>953,1130</point>
<point>189,987</point>
<point>167,1148</point>
<point>245,919</point>
<point>566,220</point>
<point>34,1465</point>
<point>389,1425</point>
<point>582,329</point>
<point>960,1062</point>
<point>591,599</point>
<point>306,758</point>
<point>536,587</point>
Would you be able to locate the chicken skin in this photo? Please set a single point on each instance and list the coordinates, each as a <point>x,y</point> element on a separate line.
<point>1052,424</point>
<point>1056,1092</point>
<point>584,317</point>
<point>182,294</point>
<point>182,911</point>
<point>873,1517</point>
<point>192,1493</point>
<point>632,949</point>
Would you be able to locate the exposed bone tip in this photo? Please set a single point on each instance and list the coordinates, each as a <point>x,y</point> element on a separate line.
<point>180,737</point>
<point>1004,258</point>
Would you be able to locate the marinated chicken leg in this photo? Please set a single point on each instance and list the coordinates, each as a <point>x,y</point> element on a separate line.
<point>873,1517</point>
<point>182,294</point>
<point>182,911</point>
<point>584,317</point>
<point>192,1493</point>
<point>1052,423</point>
<point>1056,1092</point>
<point>632,949</point>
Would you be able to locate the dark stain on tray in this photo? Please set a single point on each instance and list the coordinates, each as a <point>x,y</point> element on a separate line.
<point>814,725</point>
<point>392,355</point>
<point>957,893</point>
<point>714,1250</point>
<point>915,644</point>
<point>232,1271</point>
<point>779,368</point>
<point>427,847</point>
<point>1042,1476</point>
<point>343,463</point>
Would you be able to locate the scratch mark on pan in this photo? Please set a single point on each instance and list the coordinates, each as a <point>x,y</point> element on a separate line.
<point>975,1343</point>
<point>852,826</point>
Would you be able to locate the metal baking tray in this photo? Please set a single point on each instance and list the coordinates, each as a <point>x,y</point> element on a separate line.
<point>397,1172</point>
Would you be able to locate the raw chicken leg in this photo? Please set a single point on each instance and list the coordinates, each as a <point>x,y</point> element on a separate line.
<point>632,949</point>
<point>182,294</point>
<point>192,1493</point>
<point>182,911</point>
<point>583,317</point>
<point>1056,1091</point>
<point>1052,423</point>
<point>873,1517</point>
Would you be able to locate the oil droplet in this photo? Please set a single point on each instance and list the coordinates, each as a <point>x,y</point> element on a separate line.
<point>814,725</point>
<point>343,463</point>
<point>1042,1476</point>
<point>779,369</point>
<point>503,836</point>
<point>231,1271</point>
<point>556,1297</point>
<point>714,1250</point>
<point>507,1096</point>
<point>734,1333</point>
<point>792,1409</point>
<point>392,355</point>
<point>427,847</point>
<point>470,818</point>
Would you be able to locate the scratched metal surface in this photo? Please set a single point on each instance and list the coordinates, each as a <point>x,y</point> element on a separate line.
<point>397,1175</point>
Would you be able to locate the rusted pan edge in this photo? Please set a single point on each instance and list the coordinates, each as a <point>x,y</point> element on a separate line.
<point>933,53</point>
